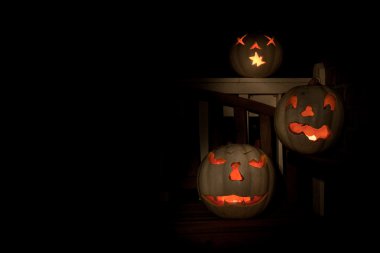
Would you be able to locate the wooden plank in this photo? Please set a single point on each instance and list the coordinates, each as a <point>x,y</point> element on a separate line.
<point>240,118</point>
<point>246,85</point>
<point>266,135</point>
<point>319,72</point>
<point>231,100</point>
<point>291,183</point>
<point>280,156</point>
<point>318,196</point>
<point>279,147</point>
<point>194,143</point>
<point>215,125</point>
<point>189,131</point>
<point>203,129</point>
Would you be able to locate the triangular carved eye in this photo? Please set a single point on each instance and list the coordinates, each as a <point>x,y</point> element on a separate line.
<point>292,101</point>
<point>213,160</point>
<point>258,164</point>
<point>329,100</point>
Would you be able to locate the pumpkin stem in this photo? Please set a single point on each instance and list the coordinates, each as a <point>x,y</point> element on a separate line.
<point>314,81</point>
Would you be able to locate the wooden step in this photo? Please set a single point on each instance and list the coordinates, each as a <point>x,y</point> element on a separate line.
<point>193,225</point>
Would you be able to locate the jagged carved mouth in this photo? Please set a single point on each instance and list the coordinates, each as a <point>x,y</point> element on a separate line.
<point>234,200</point>
<point>313,134</point>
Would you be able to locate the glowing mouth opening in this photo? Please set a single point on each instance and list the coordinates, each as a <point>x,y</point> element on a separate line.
<point>257,60</point>
<point>234,200</point>
<point>313,134</point>
<point>312,137</point>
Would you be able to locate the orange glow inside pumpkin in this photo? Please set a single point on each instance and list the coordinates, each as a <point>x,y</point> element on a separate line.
<point>308,112</point>
<point>256,59</point>
<point>213,160</point>
<point>255,45</point>
<point>258,164</point>
<point>313,134</point>
<point>240,40</point>
<point>270,40</point>
<point>235,173</point>
<point>292,101</point>
<point>329,100</point>
<point>234,199</point>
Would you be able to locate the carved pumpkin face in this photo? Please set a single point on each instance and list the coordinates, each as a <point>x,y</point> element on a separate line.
<point>256,56</point>
<point>236,181</point>
<point>308,118</point>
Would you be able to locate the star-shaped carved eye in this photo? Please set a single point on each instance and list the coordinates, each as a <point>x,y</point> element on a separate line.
<point>270,40</point>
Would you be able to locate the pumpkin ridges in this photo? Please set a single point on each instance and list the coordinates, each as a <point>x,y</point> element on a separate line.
<point>314,96</point>
<point>257,182</point>
<point>256,45</point>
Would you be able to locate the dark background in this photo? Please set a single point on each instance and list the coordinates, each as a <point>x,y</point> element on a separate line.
<point>206,53</point>
<point>114,74</point>
<point>203,53</point>
<point>140,118</point>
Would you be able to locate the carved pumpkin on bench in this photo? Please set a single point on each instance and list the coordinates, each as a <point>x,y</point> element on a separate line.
<point>236,181</point>
<point>256,55</point>
<point>309,118</point>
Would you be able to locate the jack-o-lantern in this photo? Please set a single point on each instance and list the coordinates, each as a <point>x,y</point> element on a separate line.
<point>309,118</point>
<point>236,181</point>
<point>256,56</point>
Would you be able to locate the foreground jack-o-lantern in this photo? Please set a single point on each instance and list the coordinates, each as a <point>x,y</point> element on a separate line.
<point>309,118</point>
<point>256,55</point>
<point>236,181</point>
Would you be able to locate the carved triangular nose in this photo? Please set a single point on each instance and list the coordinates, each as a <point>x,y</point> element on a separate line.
<point>235,173</point>
<point>308,112</point>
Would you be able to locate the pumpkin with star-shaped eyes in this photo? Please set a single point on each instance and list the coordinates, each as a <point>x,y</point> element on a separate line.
<point>256,55</point>
<point>308,118</point>
<point>236,181</point>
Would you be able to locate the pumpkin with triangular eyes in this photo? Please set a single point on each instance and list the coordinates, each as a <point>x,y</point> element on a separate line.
<point>256,55</point>
<point>236,181</point>
<point>308,119</point>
